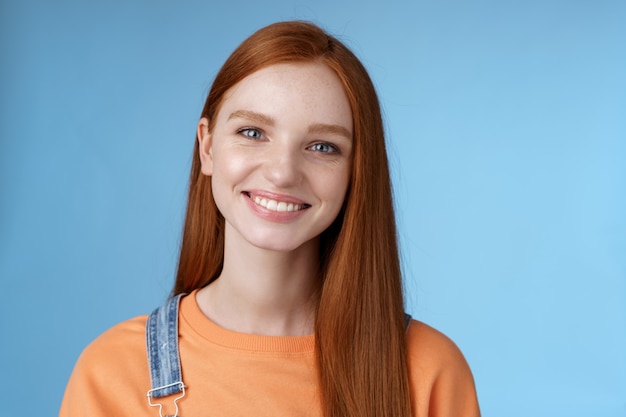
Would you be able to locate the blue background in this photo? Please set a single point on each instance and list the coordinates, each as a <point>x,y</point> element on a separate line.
<point>507,138</point>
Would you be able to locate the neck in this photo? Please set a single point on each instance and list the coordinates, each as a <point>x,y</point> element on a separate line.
<point>264,292</point>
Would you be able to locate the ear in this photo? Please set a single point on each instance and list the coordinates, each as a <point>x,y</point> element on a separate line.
<point>205,148</point>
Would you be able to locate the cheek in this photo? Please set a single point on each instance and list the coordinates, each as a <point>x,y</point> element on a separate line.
<point>335,186</point>
<point>229,167</point>
<point>344,186</point>
<point>228,172</point>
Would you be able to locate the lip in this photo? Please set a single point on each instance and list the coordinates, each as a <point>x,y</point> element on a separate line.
<point>272,215</point>
<point>275,196</point>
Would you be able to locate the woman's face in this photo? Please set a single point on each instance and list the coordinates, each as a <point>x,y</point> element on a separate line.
<point>280,155</point>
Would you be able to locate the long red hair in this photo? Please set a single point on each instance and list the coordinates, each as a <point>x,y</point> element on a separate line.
<point>359,325</point>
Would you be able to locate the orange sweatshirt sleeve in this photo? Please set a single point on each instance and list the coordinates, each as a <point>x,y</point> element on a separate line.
<point>111,376</point>
<point>441,381</point>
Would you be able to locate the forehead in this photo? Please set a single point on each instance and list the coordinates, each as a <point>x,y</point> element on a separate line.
<point>307,90</point>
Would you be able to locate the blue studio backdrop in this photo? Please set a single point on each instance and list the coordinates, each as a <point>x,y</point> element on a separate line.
<point>506,125</point>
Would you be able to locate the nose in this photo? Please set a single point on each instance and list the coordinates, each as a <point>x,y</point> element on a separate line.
<point>283,165</point>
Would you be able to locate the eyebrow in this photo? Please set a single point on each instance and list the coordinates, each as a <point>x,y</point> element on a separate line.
<point>318,128</point>
<point>322,129</point>
<point>252,116</point>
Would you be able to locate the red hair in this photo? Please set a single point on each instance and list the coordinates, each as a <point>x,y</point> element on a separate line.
<point>359,325</point>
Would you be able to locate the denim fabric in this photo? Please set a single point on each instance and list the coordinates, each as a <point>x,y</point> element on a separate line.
<point>163,354</point>
<point>407,320</point>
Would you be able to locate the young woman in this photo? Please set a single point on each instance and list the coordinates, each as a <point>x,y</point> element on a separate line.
<point>288,299</point>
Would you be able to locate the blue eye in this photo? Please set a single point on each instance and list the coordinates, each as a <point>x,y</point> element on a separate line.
<point>324,148</point>
<point>251,133</point>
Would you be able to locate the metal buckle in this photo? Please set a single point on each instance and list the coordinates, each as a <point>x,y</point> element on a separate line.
<point>149,395</point>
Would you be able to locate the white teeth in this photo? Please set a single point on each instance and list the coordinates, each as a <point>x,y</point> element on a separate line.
<point>274,205</point>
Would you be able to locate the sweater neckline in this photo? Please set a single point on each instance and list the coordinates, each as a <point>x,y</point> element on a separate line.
<point>192,316</point>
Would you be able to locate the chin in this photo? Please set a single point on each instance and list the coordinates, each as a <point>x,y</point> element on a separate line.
<point>283,247</point>
<point>282,244</point>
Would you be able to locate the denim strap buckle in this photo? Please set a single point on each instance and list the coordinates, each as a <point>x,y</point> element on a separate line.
<point>176,385</point>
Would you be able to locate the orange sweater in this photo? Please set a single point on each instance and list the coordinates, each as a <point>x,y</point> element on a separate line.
<point>234,374</point>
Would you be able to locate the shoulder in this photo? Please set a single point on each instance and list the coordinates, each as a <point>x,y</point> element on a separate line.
<point>431,348</point>
<point>114,364</point>
<point>441,380</point>
<point>126,338</point>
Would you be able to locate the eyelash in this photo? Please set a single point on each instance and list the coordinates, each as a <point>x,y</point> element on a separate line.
<point>243,131</point>
<point>332,149</point>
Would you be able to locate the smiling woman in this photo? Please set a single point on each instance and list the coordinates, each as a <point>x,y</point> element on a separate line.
<point>288,297</point>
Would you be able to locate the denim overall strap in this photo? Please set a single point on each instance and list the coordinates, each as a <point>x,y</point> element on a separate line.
<point>407,320</point>
<point>163,353</point>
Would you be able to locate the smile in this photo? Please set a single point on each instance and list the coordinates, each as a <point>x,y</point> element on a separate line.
<point>277,206</point>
